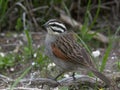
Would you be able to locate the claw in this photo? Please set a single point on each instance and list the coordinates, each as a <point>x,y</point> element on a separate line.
<point>73,76</point>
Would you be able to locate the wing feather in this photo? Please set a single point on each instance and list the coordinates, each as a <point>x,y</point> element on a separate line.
<point>68,49</point>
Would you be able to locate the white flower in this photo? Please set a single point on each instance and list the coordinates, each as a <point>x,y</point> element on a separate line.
<point>66,75</point>
<point>12,69</point>
<point>51,65</point>
<point>35,55</point>
<point>33,63</point>
<point>114,57</point>
<point>2,54</point>
<point>96,53</point>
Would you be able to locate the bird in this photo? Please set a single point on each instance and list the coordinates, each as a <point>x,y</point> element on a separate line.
<point>62,47</point>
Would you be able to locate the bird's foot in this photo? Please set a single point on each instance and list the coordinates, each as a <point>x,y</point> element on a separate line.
<point>73,76</point>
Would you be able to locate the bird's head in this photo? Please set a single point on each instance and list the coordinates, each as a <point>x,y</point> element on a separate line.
<point>54,26</point>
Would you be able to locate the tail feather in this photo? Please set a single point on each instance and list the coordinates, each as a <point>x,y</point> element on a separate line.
<point>102,77</point>
<point>111,84</point>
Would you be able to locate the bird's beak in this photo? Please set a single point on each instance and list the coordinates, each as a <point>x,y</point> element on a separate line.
<point>44,25</point>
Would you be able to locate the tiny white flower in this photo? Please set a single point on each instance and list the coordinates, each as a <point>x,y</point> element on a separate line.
<point>51,65</point>
<point>114,57</point>
<point>12,69</point>
<point>96,53</point>
<point>2,54</point>
<point>66,75</point>
<point>35,55</point>
<point>33,63</point>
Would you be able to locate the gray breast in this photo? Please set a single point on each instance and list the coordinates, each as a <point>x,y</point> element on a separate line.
<point>48,50</point>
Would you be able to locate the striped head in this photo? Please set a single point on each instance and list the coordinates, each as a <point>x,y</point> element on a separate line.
<point>54,26</point>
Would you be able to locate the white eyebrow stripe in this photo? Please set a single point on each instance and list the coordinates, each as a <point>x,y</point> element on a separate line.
<point>57,28</point>
<point>57,24</point>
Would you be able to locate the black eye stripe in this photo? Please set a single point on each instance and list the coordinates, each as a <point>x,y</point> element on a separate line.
<point>56,30</point>
<point>56,25</point>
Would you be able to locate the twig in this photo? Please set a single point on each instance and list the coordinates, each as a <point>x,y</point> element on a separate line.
<point>74,23</point>
<point>30,13</point>
<point>104,5</point>
<point>23,88</point>
<point>39,8</point>
<point>80,80</point>
<point>5,78</point>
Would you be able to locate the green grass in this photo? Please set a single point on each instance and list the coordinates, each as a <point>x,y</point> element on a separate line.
<point>105,57</point>
<point>6,61</point>
<point>3,9</point>
<point>19,25</point>
<point>19,78</point>
<point>108,50</point>
<point>118,64</point>
<point>29,47</point>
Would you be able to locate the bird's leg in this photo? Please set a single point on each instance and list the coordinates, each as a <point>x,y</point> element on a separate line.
<point>73,76</point>
<point>58,76</point>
